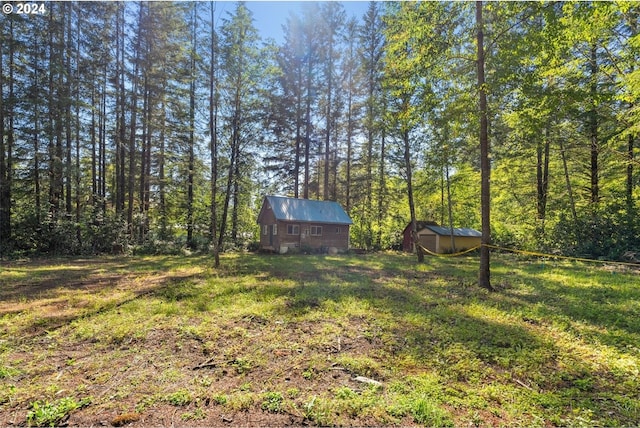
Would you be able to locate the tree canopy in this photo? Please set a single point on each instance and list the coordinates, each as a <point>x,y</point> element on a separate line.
<point>161,125</point>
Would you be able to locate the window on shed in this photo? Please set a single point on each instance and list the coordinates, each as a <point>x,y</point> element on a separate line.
<point>265,229</point>
<point>338,231</point>
<point>316,230</point>
<point>293,229</point>
<point>275,229</point>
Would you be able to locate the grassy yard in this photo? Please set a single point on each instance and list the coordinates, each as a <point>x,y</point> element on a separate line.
<point>320,340</point>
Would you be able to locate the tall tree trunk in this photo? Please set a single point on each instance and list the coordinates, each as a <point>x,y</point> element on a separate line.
<point>77,175</point>
<point>334,164</point>
<point>145,157</point>
<point>213,131</point>
<point>412,207</point>
<point>371,51</point>
<point>102,142</point>
<point>225,206</point>
<point>484,276</point>
<point>56,64</point>
<point>192,124</point>
<point>6,150</point>
<point>236,123</point>
<point>297,163</point>
<point>236,198</point>
<point>630,161</point>
<point>235,131</point>
<point>593,127</point>
<point>542,179</point>
<point>162,181</point>
<point>36,133</point>
<point>94,145</point>
<point>350,126</point>
<point>146,173</point>
<point>368,187</point>
<point>134,125</point>
<point>382,192</point>
<point>567,179</point>
<point>327,138</point>
<point>120,112</point>
<point>368,195</point>
<point>67,109</point>
<point>307,129</point>
<point>449,201</point>
<point>368,190</point>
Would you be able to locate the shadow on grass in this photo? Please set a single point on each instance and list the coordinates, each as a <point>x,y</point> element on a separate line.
<point>394,283</point>
<point>46,277</point>
<point>426,318</point>
<point>436,316</point>
<point>409,300</point>
<point>606,302</point>
<point>55,294</point>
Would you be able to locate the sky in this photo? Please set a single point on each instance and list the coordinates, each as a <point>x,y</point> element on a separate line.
<point>269,16</point>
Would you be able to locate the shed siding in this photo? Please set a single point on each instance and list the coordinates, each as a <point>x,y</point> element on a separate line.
<point>304,239</point>
<point>462,243</point>
<point>268,241</point>
<point>429,241</point>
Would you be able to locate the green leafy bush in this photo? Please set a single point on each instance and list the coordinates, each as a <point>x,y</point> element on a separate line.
<point>272,402</point>
<point>44,413</point>
<point>179,398</point>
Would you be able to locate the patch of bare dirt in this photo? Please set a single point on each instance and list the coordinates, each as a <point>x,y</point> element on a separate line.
<point>146,371</point>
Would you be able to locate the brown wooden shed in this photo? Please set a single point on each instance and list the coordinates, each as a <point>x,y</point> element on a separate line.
<point>303,224</point>
<point>437,238</point>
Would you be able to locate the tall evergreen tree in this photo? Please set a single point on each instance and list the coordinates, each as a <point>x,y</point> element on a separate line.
<point>333,21</point>
<point>371,54</point>
<point>484,278</point>
<point>240,67</point>
<point>213,135</point>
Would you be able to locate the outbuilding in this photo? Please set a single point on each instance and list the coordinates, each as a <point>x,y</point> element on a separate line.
<point>438,239</point>
<point>291,224</point>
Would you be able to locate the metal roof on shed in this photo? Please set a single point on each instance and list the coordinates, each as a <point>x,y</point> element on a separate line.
<point>306,210</point>
<point>457,231</point>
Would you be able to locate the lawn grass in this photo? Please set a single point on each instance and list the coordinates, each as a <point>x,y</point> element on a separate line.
<point>324,340</point>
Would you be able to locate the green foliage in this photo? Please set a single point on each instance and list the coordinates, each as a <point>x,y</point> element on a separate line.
<point>179,398</point>
<point>308,374</point>
<point>605,234</point>
<point>318,410</point>
<point>344,393</point>
<point>242,365</point>
<point>64,236</point>
<point>196,415</point>
<point>147,402</point>
<point>220,399</point>
<point>6,393</point>
<point>425,412</point>
<point>272,402</point>
<point>240,401</point>
<point>8,372</point>
<point>359,365</point>
<point>410,69</point>
<point>44,413</point>
<point>293,393</point>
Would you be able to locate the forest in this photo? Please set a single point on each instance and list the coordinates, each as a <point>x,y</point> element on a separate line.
<point>159,126</point>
